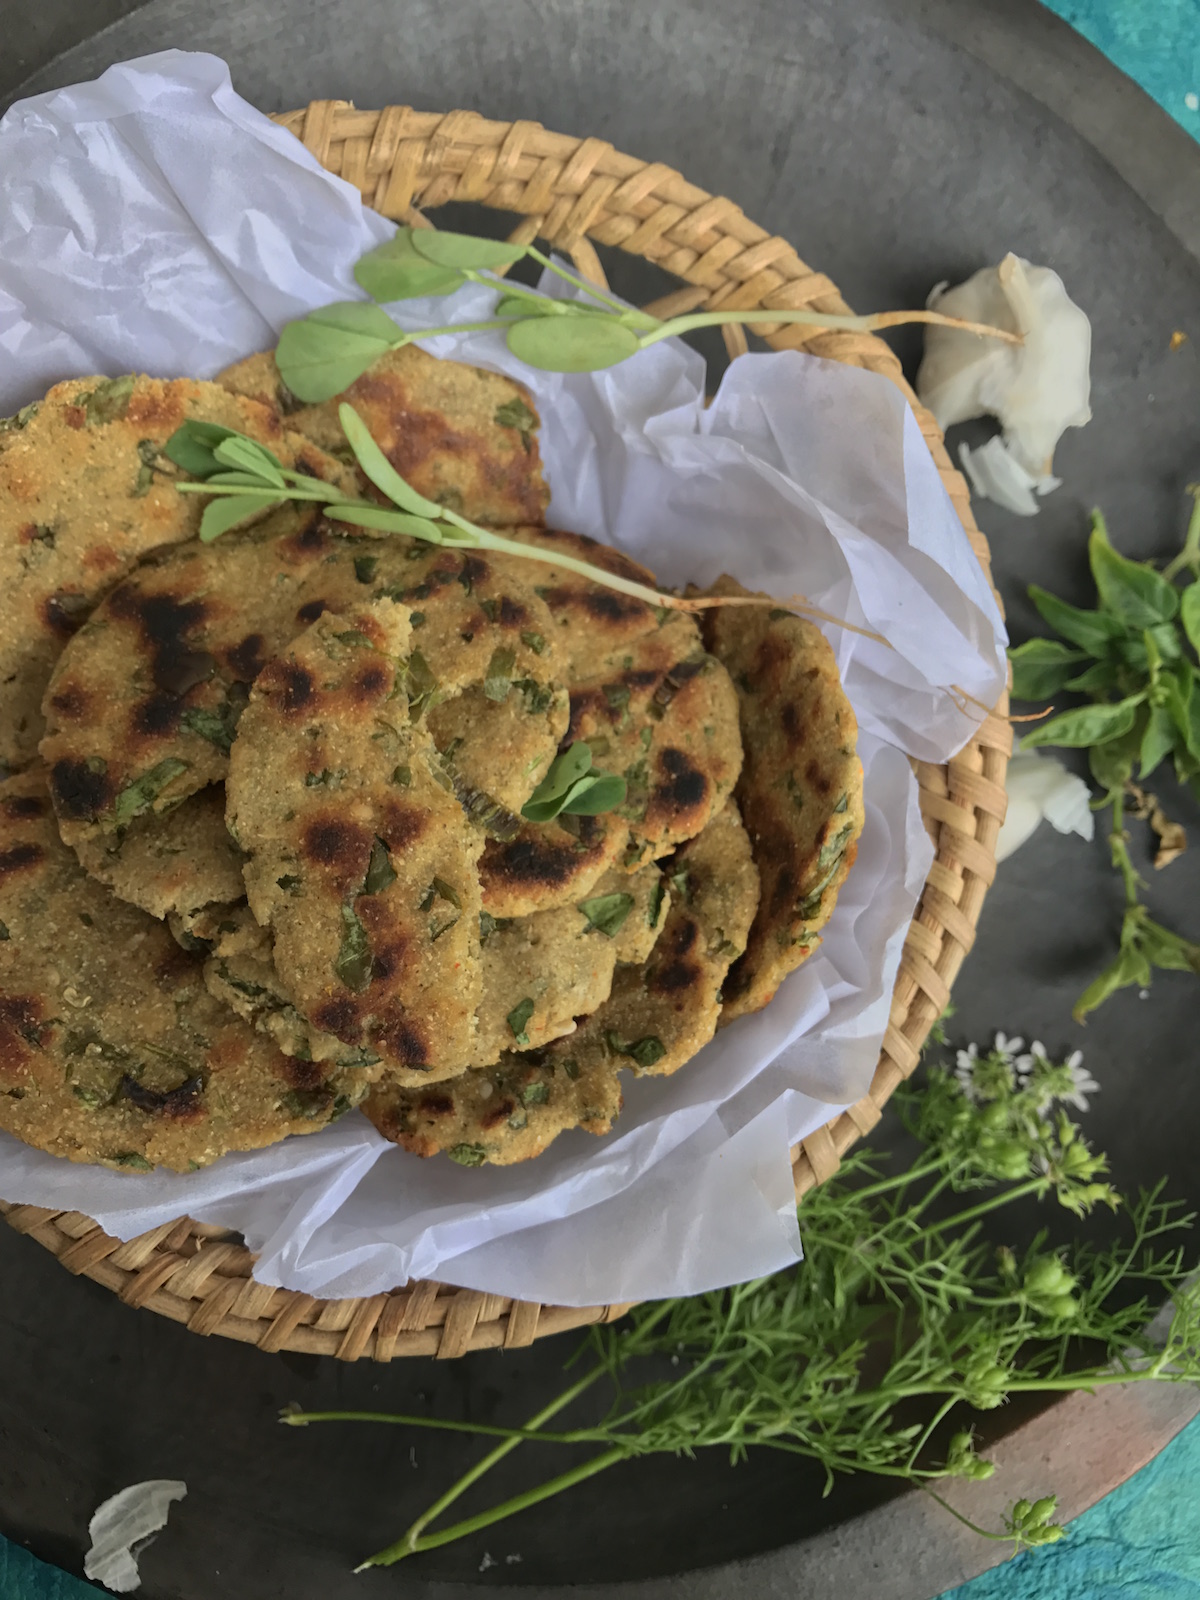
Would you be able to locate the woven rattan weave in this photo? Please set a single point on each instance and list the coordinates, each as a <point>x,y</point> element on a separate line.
<point>575,193</point>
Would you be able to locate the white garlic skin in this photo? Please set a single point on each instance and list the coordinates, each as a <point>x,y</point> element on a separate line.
<point>1036,389</point>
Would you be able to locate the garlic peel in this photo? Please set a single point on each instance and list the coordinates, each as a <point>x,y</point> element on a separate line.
<point>996,474</point>
<point>1036,389</point>
<point>1039,787</point>
<point>123,1525</point>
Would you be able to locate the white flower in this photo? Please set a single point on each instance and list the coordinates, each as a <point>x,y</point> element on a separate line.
<point>1008,1048</point>
<point>964,1070</point>
<point>1039,786</point>
<point>1082,1082</point>
<point>1037,388</point>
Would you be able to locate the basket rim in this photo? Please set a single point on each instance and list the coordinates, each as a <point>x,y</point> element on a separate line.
<point>575,193</point>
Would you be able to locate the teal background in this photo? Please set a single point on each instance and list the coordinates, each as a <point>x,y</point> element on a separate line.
<point>1143,1541</point>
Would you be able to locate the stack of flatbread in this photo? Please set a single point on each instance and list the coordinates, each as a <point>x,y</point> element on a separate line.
<point>262,851</point>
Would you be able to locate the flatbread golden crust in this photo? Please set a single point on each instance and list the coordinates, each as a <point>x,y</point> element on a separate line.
<point>801,790</point>
<point>145,700</point>
<point>84,492</point>
<point>540,973</point>
<point>461,436</point>
<point>360,861</point>
<point>111,1049</point>
<point>658,1015</point>
<point>178,862</point>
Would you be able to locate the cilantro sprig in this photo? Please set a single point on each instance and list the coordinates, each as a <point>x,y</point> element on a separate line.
<point>320,355</point>
<point>1136,656</point>
<point>903,1322</point>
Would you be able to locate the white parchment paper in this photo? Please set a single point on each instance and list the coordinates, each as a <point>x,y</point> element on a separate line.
<point>154,221</point>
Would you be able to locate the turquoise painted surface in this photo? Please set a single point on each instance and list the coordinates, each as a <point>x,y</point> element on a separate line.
<point>1157,42</point>
<point>1140,1543</point>
<point>1130,1546</point>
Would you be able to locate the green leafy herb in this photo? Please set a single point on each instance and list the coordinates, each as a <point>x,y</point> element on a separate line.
<point>1144,689</point>
<point>536,1093</point>
<point>22,419</point>
<point>380,872</point>
<point>498,678</point>
<point>396,271</point>
<point>536,643</point>
<point>487,926</point>
<point>324,353</point>
<point>607,912</point>
<point>420,684</point>
<point>467,1155</point>
<point>4,933</point>
<point>131,1161</point>
<point>516,414</point>
<point>138,796</point>
<point>573,787</point>
<point>447,891</point>
<point>365,568</point>
<point>108,402</point>
<point>218,727</point>
<point>518,1021</point>
<point>902,1323</point>
<point>646,1052</point>
<point>353,964</point>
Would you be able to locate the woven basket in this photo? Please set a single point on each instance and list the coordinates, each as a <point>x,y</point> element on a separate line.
<point>571,192</point>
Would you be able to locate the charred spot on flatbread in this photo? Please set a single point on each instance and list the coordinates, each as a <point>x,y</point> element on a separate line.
<point>801,787</point>
<point>461,436</point>
<point>112,1051</point>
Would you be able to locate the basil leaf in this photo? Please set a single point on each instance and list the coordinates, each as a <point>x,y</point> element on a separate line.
<point>395,271</point>
<point>1157,740</point>
<point>140,795</point>
<point>353,964</point>
<point>607,912</point>
<point>1168,950</point>
<point>1099,679</point>
<point>380,470</point>
<point>1126,969</point>
<point>518,1020</point>
<point>463,251</point>
<point>585,343</point>
<point>193,444</point>
<point>1041,667</point>
<point>1189,613</point>
<point>230,511</point>
<point>322,355</point>
<point>1112,764</point>
<point>1128,590</point>
<point>1086,726</point>
<point>498,679</point>
<point>1092,631</point>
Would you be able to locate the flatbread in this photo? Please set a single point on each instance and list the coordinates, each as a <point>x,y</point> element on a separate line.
<point>801,788</point>
<point>145,700</point>
<point>541,973</point>
<point>111,1049</point>
<point>461,436</point>
<point>647,698</point>
<point>177,863</point>
<point>84,492</point>
<point>658,1016</point>
<point>550,864</point>
<point>361,863</point>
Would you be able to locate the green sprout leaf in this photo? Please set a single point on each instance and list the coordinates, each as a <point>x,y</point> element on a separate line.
<point>193,447</point>
<point>321,355</point>
<point>584,343</point>
<point>219,516</point>
<point>244,455</point>
<point>396,271</point>
<point>596,794</point>
<point>463,251</point>
<point>380,470</point>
